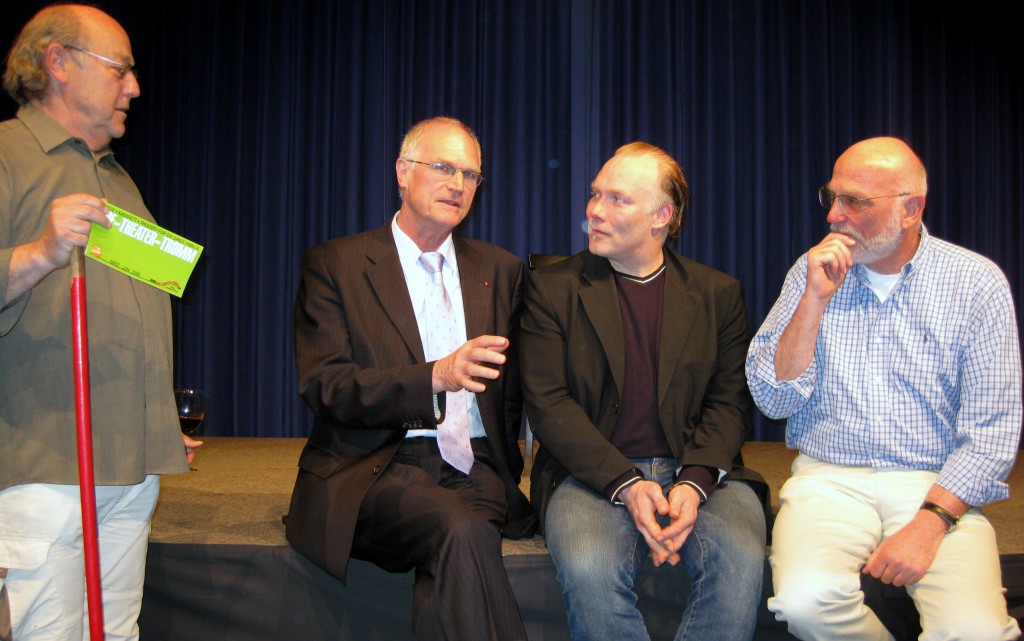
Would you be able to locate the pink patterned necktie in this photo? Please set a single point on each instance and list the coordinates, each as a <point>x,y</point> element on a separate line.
<point>441,340</point>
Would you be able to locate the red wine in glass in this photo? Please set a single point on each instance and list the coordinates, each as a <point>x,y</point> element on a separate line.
<point>191,409</point>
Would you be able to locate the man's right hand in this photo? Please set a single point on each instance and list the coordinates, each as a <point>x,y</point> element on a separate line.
<point>70,221</point>
<point>827,265</point>
<point>828,262</point>
<point>459,369</point>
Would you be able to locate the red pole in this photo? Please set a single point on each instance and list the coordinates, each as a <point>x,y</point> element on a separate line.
<point>83,413</point>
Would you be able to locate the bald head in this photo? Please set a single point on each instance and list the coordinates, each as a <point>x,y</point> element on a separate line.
<point>884,160</point>
<point>879,187</point>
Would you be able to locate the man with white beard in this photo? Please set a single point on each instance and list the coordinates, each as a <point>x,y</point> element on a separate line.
<point>894,356</point>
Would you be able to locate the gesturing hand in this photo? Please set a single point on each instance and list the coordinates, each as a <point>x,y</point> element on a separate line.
<point>470,361</point>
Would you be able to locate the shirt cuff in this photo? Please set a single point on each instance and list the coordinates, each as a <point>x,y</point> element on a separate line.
<point>611,491</point>
<point>703,479</point>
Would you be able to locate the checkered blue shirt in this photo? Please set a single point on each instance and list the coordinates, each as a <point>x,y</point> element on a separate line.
<point>929,379</point>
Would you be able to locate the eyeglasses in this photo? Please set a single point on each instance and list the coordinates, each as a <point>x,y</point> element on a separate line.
<point>826,197</point>
<point>472,177</point>
<point>120,68</point>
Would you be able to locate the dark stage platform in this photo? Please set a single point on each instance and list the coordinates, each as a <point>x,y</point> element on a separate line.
<point>220,569</point>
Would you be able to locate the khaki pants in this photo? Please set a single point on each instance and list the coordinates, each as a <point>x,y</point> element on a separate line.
<point>830,520</point>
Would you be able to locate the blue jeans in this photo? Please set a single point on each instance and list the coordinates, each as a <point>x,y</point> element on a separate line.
<point>598,553</point>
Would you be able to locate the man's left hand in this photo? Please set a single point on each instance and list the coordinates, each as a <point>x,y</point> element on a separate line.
<point>904,557</point>
<point>191,445</point>
<point>683,502</point>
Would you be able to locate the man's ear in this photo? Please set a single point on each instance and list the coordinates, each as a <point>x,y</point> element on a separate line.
<point>662,217</point>
<point>913,210</point>
<point>55,61</point>
<point>401,169</point>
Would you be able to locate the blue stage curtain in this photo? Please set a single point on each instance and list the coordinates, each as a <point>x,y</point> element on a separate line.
<point>266,126</point>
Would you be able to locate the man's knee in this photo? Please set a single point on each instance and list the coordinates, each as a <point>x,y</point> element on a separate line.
<point>961,622</point>
<point>583,563</point>
<point>469,530</point>
<point>806,600</point>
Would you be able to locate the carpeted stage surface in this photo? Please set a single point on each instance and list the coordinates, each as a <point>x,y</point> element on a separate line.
<point>220,567</point>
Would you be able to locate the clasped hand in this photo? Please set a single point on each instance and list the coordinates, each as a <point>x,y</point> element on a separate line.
<point>460,369</point>
<point>645,501</point>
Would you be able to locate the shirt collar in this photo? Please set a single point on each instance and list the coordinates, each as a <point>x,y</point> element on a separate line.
<point>913,263</point>
<point>409,252</point>
<point>907,270</point>
<point>50,134</point>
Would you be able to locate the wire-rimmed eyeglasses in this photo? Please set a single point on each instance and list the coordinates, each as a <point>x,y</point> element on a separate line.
<point>853,203</point>
<point>472,177</point>
<point>120,68</point>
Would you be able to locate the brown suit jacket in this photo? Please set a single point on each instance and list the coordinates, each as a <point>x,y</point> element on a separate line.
<point>573,367</point>
<point>362,371</point>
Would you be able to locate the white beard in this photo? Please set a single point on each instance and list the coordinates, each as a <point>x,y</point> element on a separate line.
<point>877,247</point>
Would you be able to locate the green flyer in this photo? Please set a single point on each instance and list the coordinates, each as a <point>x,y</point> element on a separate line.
<point>144,251</point>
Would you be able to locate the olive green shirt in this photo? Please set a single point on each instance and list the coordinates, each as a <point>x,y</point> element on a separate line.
<point>134,421</point>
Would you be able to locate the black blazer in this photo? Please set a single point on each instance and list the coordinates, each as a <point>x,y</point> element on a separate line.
<point>572,356</point>
<point>362,371</point>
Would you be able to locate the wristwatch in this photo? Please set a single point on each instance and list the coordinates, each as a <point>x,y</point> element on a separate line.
<point>944,514</point>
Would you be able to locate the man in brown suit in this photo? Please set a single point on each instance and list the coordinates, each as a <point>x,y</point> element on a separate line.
<point>372,482</point>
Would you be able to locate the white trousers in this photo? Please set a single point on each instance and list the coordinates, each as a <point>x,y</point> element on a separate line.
<point>832,517</point>
<point>41,548</point>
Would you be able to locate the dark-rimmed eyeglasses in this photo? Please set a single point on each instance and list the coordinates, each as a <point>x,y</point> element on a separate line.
<point>472,177</point>
<point>120,68</point>
<point>852,203</point>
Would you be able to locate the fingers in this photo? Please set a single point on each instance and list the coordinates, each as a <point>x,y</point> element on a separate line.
<point>69,225</point>
<point>827,264</point>
<point>834,252</point>
<point>474,359</point>
<point>899,561</point>
<point>891,573</point>
<point>83,207</point>
<point>660,552</point>
<point>645,501</point>
<point>191,445</point>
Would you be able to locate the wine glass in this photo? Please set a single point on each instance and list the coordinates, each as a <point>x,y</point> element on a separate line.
<point>191,409</point>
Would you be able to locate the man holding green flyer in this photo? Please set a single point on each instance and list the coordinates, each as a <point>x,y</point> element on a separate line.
<point>71,69</point>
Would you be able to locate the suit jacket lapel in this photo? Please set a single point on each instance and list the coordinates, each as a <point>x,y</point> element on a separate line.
<point>676,324</point>
<point>601,302</point>
<point>388,283</point>
<point>475,274</point>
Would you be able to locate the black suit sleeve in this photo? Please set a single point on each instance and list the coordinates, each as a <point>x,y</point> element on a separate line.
<point>346,352</point>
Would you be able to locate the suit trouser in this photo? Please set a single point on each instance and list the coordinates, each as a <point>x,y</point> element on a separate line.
<point>832,518</point>
<point>422,513</point>
<point>41,547</point>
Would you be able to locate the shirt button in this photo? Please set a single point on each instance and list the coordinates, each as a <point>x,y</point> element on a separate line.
<point>377,469</point>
